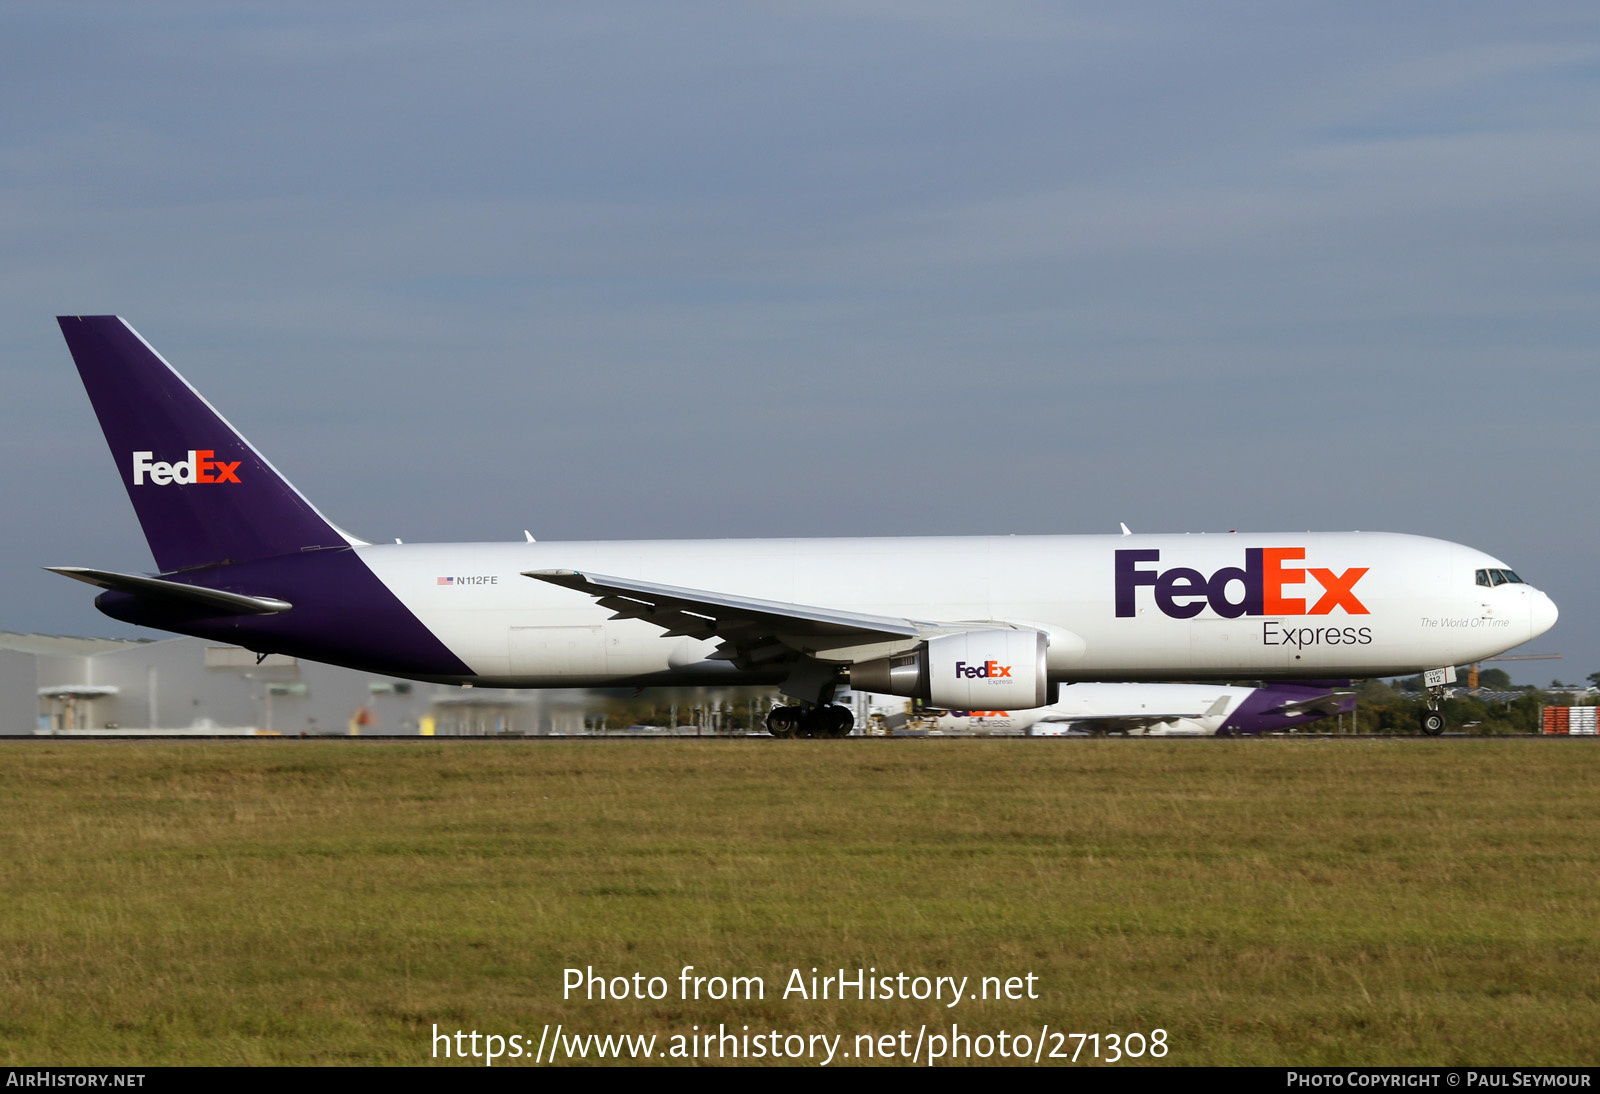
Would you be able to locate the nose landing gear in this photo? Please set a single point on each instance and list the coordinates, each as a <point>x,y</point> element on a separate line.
<point>1432,722</point>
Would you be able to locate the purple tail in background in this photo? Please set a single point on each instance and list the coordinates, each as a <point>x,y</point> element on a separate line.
<point>203,494</point>
<point>1285,707</point>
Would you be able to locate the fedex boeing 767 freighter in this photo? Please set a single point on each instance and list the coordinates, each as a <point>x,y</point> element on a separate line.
<point>972,622</point>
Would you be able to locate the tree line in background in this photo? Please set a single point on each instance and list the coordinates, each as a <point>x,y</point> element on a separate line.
<point>1395,706</point>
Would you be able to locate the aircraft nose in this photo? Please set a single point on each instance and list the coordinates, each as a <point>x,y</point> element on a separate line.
<point>1542,614</point>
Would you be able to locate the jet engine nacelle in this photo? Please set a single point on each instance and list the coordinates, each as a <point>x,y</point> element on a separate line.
<point>995,668</point>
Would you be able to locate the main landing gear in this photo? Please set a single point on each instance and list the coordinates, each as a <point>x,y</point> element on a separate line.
<point>811,721</point>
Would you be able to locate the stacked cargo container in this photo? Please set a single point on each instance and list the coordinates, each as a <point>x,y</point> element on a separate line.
<point>1571,720</point>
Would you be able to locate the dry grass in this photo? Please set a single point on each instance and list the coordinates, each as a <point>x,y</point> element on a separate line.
<point>1265,902</point>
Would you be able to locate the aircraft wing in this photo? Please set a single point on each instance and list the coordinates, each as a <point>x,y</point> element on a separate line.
<point>1324,706</point>
<point>745,625</point>
<point>1112,723</point>
<point>1134,723</point>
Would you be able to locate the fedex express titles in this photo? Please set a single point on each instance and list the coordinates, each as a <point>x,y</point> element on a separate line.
<point>1260,587</point>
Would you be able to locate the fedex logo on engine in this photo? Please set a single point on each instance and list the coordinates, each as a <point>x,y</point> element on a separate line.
<point>199,467</point>
<point>989,670</point>
<point>1260,586</point>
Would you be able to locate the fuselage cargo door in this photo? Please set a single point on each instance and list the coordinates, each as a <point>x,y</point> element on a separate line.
<point>559,653</point>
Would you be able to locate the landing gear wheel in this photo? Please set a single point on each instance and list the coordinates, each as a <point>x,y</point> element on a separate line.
<point>783,721</point>
<point>814,723</point>
<point>1432,723</point>
<point>840,721</point>
<point>828,721</point>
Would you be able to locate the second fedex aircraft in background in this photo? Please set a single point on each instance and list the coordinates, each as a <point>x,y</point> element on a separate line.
<point>1140,710</point>
<point>977,622</point>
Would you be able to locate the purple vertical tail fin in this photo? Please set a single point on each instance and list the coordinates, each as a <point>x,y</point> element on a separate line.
<point>202,493</point>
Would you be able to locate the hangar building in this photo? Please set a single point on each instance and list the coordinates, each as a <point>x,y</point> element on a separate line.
<point>52,684</point>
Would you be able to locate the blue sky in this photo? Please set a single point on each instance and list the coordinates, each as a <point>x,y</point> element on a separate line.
<point>629,270</point>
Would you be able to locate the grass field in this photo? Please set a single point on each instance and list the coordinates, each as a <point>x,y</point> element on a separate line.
<point>1263,902</point>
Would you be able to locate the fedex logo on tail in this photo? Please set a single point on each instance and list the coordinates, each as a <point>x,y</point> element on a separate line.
<point>989,670</point>
<point>199,467</point>
<point>1261,586</point>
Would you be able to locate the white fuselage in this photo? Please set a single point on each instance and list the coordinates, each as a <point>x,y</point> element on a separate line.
<point>1135,607</point>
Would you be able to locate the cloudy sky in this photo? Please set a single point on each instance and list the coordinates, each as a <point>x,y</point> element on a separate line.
<point>610,270</point>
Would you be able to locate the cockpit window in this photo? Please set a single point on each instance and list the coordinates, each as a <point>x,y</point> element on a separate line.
<point>1497,576</point>
<point>1489,578</point>
<point>1483,578</point>
<point>1513,578</point>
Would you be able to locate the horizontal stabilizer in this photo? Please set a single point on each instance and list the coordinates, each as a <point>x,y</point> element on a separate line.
<point>155,588</point>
